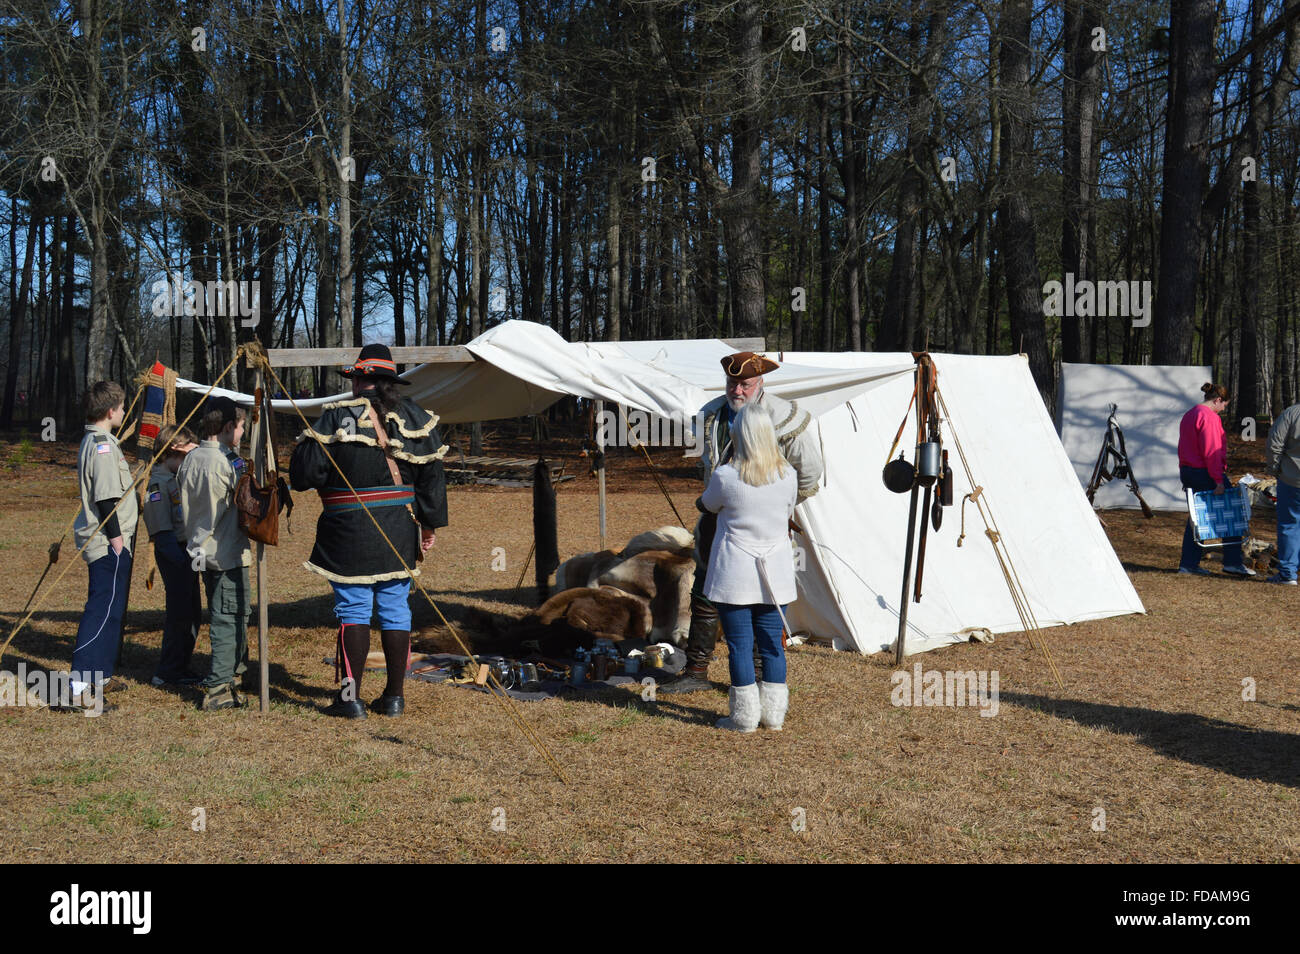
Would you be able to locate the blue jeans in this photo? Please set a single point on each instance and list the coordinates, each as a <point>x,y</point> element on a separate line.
<point>355,603</point>
<point>743,625</point>
<point>1288,530</point>
<point>1198,478</point>
<point>100,629</point>
<point>184,606</point>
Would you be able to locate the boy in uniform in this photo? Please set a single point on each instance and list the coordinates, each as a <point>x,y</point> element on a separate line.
<point>166,525</point>
<point>106,497</point>
<point>207,481</point>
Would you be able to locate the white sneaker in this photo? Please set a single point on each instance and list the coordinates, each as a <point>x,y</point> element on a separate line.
<point>1239,571</point>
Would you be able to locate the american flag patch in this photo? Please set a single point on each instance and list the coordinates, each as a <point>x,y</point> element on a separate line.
<point>102,448</point>
<point>237,463</point>
<point>155,496</point>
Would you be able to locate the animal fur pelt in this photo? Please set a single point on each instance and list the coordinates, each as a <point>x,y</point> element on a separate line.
<point>586,568</point>
<point>641,592</point>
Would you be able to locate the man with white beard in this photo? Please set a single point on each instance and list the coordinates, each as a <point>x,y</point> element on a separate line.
<point>799,445</point>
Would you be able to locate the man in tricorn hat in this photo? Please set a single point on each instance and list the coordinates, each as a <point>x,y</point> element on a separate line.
<point>389,450</point>
<point>799,445</point>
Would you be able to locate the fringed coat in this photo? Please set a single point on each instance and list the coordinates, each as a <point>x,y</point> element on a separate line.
<point>349,549</point>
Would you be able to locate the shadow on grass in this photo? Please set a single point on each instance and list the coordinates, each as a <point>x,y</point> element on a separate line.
<point>139,662</point>
<point>666,705</point>
<point>1188,736</point>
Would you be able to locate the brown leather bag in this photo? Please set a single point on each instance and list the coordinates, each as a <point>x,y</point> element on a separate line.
<point>259,507</point>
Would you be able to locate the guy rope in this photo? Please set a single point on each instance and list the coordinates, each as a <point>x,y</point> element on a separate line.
<point>931,471</point>
<point>257,356</point>
<point>141,475</point>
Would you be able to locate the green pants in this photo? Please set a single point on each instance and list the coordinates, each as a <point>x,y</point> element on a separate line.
<point>228,602</point>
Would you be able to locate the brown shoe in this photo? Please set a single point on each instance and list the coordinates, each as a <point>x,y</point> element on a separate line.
<point>222,697</point>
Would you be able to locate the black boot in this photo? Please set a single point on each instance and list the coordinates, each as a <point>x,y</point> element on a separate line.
<point>397,658</point>
<point>353,648</point>
<point>700,642</point>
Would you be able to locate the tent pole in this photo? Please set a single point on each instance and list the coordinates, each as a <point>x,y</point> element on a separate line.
<point>261,438</point>
<point>600,467</point>
<point>899,646</point>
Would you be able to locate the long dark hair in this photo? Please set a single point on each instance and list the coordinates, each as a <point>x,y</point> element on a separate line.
<point>385,395</point>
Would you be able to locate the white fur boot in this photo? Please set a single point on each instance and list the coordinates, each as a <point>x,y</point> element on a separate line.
<point>775,700</point>
<point>744,709</point>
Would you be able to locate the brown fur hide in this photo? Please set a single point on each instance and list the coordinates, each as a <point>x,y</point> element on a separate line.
<point>643,592</point>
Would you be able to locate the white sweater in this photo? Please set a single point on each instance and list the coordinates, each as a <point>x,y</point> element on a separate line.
<point>753,525</point>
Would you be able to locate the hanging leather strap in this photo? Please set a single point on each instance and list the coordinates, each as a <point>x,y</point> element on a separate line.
<point>381,435</point>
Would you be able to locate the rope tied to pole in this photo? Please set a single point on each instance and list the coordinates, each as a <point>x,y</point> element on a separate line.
<point>1019,597</point>
<point>500,694</point>
<point>137,481</point>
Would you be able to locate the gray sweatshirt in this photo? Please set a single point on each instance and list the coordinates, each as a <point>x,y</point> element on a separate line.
<point>1284,447</point>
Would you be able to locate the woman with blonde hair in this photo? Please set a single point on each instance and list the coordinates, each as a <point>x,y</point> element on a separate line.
<point>750,574</point>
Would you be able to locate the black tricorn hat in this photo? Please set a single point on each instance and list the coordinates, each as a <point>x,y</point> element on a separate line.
<point>374,362</point>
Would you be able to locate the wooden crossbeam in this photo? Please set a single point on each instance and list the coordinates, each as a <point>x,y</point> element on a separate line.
<point>324,357</point>
<point>424,354</point>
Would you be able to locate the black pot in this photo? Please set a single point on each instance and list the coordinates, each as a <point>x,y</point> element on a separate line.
<point>899,475</point>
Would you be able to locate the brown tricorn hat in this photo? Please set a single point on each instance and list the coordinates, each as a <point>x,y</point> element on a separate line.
<point>746,364</point>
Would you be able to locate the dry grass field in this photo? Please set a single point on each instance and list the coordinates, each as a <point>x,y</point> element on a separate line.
<point>1151,727</point>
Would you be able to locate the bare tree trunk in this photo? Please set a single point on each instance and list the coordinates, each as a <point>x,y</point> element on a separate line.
<point>852,247</point>
<point>824,266</point>
<point>1079,92</point>
<point>17,315</point>
<point>1015,220</point>
<point>327,333</point>
<point>346,167</point>
<point>614,327</point>
<point>433,327</point>
<point>1182,239</point>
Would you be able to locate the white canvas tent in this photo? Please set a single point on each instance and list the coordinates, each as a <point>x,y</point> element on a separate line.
<point>855,529</point>
<point>1152,399</point>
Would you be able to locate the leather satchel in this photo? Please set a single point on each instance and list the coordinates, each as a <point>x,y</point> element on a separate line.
<point>259,507</point>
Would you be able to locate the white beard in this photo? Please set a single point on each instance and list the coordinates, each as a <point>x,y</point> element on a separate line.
<point>737,402</point>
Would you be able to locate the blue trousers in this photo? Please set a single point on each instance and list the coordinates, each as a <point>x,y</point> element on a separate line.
<point>743,626</point>
<point>1198,478</point>
<point>184,606</point>
<point>1288,530</point>
<point>356,603</point>
<point>100,631</point>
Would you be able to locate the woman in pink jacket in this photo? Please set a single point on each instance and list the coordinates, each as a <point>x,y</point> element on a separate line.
<point>1202,465</point>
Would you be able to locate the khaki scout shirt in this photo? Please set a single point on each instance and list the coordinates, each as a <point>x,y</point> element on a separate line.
<point>162,504</point>
<point>207,480</point>
<point>103,474</point>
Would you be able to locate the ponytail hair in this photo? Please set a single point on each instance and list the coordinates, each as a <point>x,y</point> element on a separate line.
<point>385,395</point>
<point>1212,391</point>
